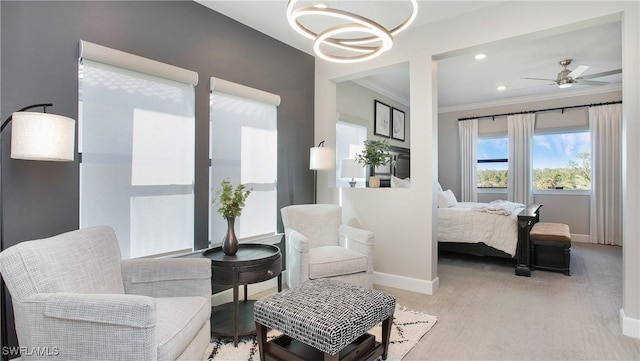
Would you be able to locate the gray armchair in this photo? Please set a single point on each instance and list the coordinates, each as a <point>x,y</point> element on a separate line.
<point>74,296</point>
<point>320,246</point>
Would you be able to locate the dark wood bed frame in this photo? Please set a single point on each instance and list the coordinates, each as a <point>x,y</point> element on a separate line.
<point>526,219</point>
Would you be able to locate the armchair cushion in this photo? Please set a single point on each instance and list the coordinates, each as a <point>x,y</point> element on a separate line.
<point>179,320</point>
<point>331,261</point>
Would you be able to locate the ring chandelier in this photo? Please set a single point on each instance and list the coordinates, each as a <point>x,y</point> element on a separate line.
<point>376,41</point>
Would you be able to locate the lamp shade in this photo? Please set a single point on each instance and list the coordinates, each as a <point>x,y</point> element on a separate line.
<point>42,136</point>
<point>321,158</point>
<point>351,169</point>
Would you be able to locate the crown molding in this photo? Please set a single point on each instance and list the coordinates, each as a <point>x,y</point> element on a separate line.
<point>382,90</point>
<point>532,98</point>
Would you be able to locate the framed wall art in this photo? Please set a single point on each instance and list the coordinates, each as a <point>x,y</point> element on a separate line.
<point>397,124</point>
<point>382,119</point>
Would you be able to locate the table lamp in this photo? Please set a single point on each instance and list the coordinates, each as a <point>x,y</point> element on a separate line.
<point>351,169</point>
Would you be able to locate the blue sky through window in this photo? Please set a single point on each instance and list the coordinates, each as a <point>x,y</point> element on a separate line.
<point>493,148</point>
<point>556,150</point>
<point>549,150</point>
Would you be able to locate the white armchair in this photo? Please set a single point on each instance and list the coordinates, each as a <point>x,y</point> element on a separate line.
<point>320,246</point>
<point>74,297</point>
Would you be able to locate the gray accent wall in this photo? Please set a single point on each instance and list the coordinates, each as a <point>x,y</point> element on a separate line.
<point>39,63</point>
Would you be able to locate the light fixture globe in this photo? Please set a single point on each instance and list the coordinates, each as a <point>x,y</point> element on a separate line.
<point>565,83</point>
<point>376,41</point>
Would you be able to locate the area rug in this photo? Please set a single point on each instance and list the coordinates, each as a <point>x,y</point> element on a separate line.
<point>408,328</point>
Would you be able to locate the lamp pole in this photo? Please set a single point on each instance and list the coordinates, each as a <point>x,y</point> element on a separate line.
<point>44,110</point>
<point>3,298</point>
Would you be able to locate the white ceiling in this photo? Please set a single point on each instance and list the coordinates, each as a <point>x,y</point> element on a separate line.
<point>463,82</point>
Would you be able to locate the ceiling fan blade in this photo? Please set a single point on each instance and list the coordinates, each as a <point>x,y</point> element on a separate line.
<point>578,71</point>
<point>591,82</point>
<point>600,75</point>
<point>553,80</point>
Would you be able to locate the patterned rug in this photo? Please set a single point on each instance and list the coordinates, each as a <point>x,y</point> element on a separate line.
<point>408,328</point>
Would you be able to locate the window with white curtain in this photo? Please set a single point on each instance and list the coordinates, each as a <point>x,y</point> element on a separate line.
<point>136,137</point>
<point>350,139</point>
<point>244,148</point>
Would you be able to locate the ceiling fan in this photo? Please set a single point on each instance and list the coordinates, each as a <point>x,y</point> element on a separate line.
<point>567,77</point>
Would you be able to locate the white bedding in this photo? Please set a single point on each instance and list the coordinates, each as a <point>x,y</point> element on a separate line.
<point>481,222</point>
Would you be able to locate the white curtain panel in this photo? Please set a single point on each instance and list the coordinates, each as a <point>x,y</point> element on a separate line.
<point>605,123</point>
<point>520,129</point>
<point>468,131</point>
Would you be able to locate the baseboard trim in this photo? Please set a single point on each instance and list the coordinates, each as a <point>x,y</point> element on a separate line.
<point>580,238</point>
<point>379,278</point>
<point>630,326</point>
<point>406,283</point>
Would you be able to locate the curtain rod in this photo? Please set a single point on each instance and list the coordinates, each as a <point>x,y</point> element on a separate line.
<point>541,110</point>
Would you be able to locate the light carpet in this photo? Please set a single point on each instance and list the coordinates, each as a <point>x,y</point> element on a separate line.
<point>408,328</point>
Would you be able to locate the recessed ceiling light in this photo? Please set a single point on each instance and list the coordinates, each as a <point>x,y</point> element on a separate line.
<point>480,56</point>
<point>502,87</point>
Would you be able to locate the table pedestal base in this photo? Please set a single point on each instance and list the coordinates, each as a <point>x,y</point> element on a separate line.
<point>222,319</point>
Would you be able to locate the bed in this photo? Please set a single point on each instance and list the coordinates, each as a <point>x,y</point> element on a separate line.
<point>498,229</point>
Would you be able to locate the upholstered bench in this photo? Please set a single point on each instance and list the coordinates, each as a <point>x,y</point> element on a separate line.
<point>324,320</point>
<point>551,247</point>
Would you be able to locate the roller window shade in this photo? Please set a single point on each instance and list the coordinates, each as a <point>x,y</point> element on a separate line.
<point>105,55</point>
<point>242,91</point>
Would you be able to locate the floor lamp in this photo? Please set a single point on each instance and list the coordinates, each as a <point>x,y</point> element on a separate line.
<point>320,158</point>
<point>41,137</point>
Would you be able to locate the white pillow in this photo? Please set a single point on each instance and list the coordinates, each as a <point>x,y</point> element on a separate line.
<point>439,187</point>
<point>447,199</point>
<point>400,183</point>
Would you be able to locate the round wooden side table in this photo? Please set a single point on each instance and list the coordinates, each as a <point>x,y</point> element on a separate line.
<point>252,263</point>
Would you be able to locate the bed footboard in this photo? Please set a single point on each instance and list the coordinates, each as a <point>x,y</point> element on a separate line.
<point>526,219</point>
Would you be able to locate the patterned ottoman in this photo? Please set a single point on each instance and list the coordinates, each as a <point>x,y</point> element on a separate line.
<point>324,320</point>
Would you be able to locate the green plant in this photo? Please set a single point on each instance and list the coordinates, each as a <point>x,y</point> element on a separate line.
<point>375,153</point>
<point>231,201</point>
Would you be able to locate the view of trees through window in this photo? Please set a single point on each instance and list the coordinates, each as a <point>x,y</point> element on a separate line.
<point>492,162</point>
<point>560,161</point>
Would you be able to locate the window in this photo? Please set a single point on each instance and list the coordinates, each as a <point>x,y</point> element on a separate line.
<point>562,161</point>
<point>492,162</point>
<point>136,139</point>
<point>350,139</point>
<point>244,148</point>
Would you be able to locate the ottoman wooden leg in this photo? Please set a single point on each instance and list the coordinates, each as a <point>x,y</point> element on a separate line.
<point>261,336</point>
<point>386,335</point>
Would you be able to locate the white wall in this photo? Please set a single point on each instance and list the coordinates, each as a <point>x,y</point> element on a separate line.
<point>357,101</point>
<point>404,219</point>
